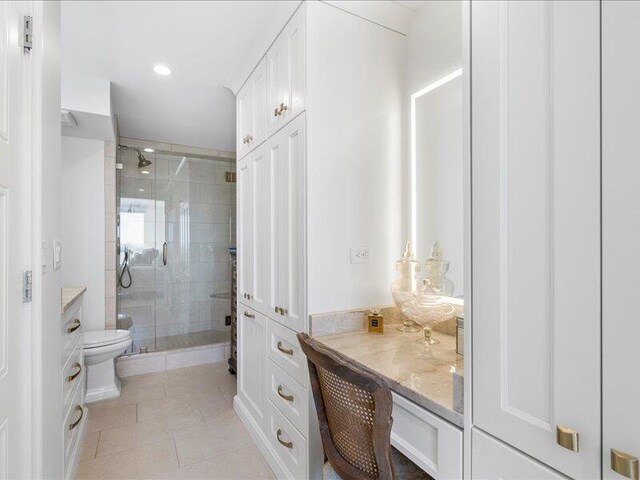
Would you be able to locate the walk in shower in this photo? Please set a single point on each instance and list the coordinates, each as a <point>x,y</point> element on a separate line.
<point>175,225</point>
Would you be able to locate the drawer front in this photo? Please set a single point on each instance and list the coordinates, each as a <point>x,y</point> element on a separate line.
<point>73,417</point>
<point>288,396</point>
<point>288,443</point>
<point>430,442</point>
<point>285,351</point>
<point>72,374</point>
<point>71,330</point>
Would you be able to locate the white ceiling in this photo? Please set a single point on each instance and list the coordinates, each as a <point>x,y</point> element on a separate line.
<point>204,43</point>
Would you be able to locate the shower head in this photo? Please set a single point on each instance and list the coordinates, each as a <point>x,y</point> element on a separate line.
<point>142,161</point>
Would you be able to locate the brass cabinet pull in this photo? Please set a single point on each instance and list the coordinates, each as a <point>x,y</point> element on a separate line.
<point>165,253</point>
<point>76,325</point>
<point>282,442</point>
<point>567,438</point>
<point>249,138</point>
<point>286,351</point>
<point>71,378</point>
<point>283,108</point>
<point>75,424</point>
<point>288,398</point>
<point>250,315</point>
<point>276,112</point>
<point>624,464</point>
<point>284,311</point>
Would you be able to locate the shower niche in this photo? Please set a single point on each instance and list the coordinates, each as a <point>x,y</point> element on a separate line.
<point>175,225</point>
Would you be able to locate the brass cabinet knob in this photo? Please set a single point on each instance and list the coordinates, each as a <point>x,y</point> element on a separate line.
<point>276,112</point>
<point>249,139</point>
<point>283,108</point>
<point>625,464</point>
<point>249,315</point>
<point>567,438</point>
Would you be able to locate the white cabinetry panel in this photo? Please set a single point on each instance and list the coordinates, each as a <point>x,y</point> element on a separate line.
<point>493,460</point>
<point>245,237</point>
<point>251,121</point>
<point>621,230</point>
<point>536,223</point>
<point>251,361</point>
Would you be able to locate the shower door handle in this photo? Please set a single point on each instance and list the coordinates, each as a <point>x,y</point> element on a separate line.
<point>164,253</point>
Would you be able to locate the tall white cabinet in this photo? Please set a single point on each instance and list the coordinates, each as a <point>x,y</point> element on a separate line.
<point>312,139</point>
<point>620,239</point>
<point>556,225</point>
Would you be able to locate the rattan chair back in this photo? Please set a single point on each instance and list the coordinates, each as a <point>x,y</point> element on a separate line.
<point>354,413</point>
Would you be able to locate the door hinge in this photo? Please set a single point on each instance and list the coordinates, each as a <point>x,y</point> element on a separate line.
<point>27,37</point>
<point>27,287</point>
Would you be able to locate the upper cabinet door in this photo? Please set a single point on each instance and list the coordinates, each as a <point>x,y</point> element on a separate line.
<point>620,230</point>
<point>258,82</point>
<point>244,119</point>
<point>286,74</point>
<point>536,227</point>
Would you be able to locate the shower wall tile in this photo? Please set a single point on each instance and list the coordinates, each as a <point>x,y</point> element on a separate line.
<point>110,234</point>
<point>110,284</point>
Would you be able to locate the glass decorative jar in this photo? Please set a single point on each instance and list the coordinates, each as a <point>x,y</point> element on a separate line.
<point>403,287</point>
<point>428,309</point>
<point>436,271</point>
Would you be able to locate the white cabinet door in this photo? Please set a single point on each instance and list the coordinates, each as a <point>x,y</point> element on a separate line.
<point>245,237</point>
<point>286,74</point>
<point>621,230</point>
<point>244,119</point>
<point>252,371</point>
<point>536,227</point>
<point>493,460</point>
<point>262,179</point>
<point>289,226</point>
<point>258,81</point>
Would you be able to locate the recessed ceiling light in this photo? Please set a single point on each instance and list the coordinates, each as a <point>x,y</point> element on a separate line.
<point>141,190</point>
<point>146,172</point>
<point>149,150</point>
<point>162,70</point>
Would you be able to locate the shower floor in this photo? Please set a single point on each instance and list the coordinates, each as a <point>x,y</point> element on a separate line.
<point>186,340</point>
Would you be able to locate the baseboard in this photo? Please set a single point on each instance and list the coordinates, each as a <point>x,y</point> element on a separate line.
<point>260,439</point>
<point>141,363</point>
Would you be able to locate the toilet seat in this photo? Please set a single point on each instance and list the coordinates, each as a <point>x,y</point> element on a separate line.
<point>103,338</point>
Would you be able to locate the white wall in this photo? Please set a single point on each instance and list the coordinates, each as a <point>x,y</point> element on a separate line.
<point>83,224</point>
<point>434,50</point>
<point>50,448</point>
<point>355,72</point>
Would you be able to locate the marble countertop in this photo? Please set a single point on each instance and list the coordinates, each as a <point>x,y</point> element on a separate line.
<point>70,295</point>
<point>407,366</point>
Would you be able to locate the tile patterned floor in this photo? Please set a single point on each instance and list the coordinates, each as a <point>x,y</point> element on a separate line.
<point>173,425</point>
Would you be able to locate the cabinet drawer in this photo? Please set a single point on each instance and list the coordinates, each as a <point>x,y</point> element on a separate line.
<point>72,435</point>
<point>288,443</point>
<point>429,441</point>
<point>288,396</point>
<point>71,329</point>
<point>72,373</point>
<point>285,351</point>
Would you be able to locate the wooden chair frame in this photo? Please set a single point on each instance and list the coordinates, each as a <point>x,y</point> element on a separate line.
<point>319,355</point>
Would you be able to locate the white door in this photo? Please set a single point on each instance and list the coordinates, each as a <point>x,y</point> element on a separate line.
<point>245,230</point>
<point>290,222</point>
<point>15,381</point>
<point>536,227</point>
<point>244,116</point>
<point>262,208</point>
<point>252,358</point>
<point>620,231</point>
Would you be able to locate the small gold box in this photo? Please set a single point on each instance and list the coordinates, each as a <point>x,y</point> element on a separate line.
<point>375,321</point>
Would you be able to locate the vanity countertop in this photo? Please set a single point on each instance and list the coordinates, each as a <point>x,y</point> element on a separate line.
<point>404,365</point>
<point>70,295</point>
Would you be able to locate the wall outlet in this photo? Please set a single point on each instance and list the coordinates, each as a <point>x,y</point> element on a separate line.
<point>360,254</point>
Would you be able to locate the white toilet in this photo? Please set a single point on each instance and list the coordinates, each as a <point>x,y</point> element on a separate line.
<point>101,348</point>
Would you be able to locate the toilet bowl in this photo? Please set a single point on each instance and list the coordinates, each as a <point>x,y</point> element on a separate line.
<point>101,348</point>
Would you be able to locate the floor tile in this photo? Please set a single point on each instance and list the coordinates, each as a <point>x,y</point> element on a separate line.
<point>89,446</point>
<point>149,461</point>
<point>223,436</point>
<point>144,433</point>
<point>243,464</point>
<point>104,417</point>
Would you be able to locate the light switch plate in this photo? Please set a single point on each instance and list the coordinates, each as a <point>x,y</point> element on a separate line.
<point>360,254</point>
